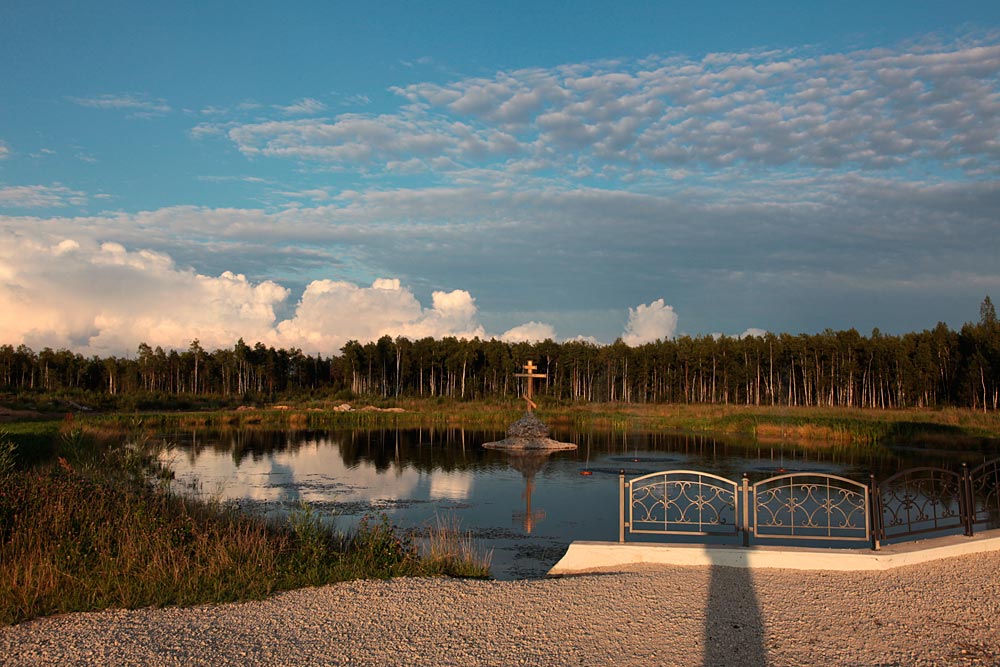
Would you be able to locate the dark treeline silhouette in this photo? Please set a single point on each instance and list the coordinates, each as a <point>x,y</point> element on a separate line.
<point>835,368</point>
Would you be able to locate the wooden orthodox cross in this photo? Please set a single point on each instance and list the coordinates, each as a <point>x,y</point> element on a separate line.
<point>530,375</point>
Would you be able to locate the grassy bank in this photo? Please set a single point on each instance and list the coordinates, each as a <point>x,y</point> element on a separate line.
<point>96,533</point>
<point>947,427</point>
<point>932,427</point>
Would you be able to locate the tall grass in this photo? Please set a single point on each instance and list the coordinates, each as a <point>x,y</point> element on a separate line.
<point>75,536</point>
<point>450,550</point>
<point>8,455</point>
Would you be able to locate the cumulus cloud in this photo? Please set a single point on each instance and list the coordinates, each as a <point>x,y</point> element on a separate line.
<point>753,332</point>
<point>4,151</point>
<point>104,298</point>
<point>649,323</point>
<point>530,332</point>
<point>333,312</point>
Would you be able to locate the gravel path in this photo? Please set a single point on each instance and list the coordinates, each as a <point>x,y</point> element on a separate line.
<point>941,613</point>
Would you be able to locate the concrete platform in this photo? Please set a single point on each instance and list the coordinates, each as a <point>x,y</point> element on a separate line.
<point>583,557</point>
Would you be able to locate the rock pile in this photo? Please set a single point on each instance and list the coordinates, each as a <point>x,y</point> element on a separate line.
<point>528,432</point>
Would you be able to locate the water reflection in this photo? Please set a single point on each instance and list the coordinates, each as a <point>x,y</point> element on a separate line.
<point>526,508</point>
<point>528,463</point>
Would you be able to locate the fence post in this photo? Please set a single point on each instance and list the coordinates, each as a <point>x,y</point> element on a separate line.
<point>745,501</point>
<point>967,504</point>
<point>621,506</point>
<point>874,513</point>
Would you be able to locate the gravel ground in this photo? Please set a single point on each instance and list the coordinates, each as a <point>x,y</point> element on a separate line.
<point>941,613</point>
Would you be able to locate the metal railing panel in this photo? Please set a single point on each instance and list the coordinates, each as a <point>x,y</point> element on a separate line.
<point>921,500</point>
<point>984,503</point>
<point>813,506</point>
<point>682,502</point>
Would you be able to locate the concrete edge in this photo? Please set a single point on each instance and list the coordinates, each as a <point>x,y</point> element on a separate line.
<point>583,556</point>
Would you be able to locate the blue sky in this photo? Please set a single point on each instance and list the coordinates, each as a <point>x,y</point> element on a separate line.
<point>307,173</point>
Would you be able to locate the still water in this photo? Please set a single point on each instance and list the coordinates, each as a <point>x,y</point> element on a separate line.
<point>525,508</point>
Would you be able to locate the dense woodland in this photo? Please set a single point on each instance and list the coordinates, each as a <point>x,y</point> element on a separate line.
<point>835,368</point>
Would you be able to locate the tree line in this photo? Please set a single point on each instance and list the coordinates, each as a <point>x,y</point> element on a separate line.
<point>934,367</point>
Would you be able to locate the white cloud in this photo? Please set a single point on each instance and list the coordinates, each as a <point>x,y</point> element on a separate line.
<point>332,312</point>
<point>307,106</point>
<point>356,100</point>
<point>104,298</point>
<point>877,110</point>
<point>315,194</point>
<point>139,105</point>
<point>40,196</point>
<point>753,332</point>
<point>530,332</point>
<point>4,151</point>
<point>649,323</point>
<point>351,139</point>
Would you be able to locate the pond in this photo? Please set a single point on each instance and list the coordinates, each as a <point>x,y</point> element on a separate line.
<point>525,508</point>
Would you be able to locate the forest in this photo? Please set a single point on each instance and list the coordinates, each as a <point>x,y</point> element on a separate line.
<point>936,367</point>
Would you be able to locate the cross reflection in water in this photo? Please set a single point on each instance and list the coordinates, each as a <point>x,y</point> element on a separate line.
<point>528,463</point>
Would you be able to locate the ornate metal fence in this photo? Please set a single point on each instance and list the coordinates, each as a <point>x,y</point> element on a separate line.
<point>920,500</point>
<point>811,506</point>
<point>682,502</point>
<point>984,496</point>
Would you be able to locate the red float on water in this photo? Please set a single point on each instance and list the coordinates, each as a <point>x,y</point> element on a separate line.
<point>586,472</point>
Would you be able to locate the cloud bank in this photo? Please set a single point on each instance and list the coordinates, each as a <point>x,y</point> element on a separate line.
<point>105,299</point>
<point>628,121</point>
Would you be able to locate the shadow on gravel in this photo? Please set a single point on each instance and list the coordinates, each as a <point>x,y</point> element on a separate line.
<point>734,629</point>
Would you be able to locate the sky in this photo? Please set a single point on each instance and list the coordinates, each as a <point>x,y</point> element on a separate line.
<point>306,173</point>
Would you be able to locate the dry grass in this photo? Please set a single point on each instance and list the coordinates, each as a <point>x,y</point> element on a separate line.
<point>72,539</point>
<point>449,549</point>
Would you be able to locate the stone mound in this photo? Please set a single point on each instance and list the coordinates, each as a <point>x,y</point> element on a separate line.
<point>528,433</point>
<point>528,426</point>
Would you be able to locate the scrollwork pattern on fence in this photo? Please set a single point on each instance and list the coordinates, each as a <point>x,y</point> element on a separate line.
<point>814,506</point>
<point>920,500</point>
<point>985,481</point>
<point>682,501</point>
<point>811,505</point>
